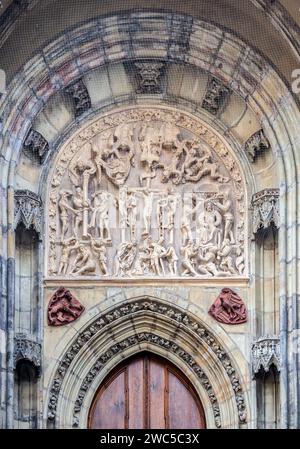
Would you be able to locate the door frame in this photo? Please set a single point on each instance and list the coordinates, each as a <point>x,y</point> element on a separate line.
<point>169,366</point>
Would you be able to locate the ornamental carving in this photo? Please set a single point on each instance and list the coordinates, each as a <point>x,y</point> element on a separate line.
<point>148,77</point>
<point>144,305</point>
<point>265,354</point>
<point>146,193</point>
<point>256,145</point>
<point>265,207</point>
<point>28,210</point>
<point>215,96</point>
<point>26,349</point>
<point>229,308</point>
<point>35,146</point>
<point>63,308</point>
<point>80,95</point>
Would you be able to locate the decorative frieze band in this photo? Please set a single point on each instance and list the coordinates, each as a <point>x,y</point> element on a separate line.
<point>145,305</point>
<point>265,354</point>
<point>35,146</point>
<point>265,206</point>
<point>27,349</point>
<point>80,96</point>
<point>28,210</point>
<point>215,96</point>
<point>256,144</point>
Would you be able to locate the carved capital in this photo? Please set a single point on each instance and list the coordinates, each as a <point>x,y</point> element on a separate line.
<point>256,144</point>
<point>148,77</point>
<point>265,354</point>
<point>80,96</point>
<point>265,206</point>
<point>35,146</point>
<point>215,96</point>
<point>28,210</point>
<point>26,349</point>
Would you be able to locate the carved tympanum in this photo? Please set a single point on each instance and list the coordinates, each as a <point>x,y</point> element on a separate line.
<point>146,192</point>
<point>229,308</point>
<point>63,308</point>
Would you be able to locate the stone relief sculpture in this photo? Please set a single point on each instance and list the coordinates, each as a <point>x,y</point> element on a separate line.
<point>229,308</point>
<point>63,308</point>
<point>146,192</point>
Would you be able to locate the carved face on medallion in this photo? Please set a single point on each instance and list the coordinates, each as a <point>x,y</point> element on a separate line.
<point>155,178</point>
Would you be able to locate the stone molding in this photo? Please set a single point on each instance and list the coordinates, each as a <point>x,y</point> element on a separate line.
<point>28,210</point>
<point>256,145</point>
<point>265,207</point>
<point>26,349</point>
<point>131,309</point>
<point>265,354</point>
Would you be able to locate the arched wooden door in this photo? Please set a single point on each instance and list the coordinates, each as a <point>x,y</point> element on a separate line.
<point>146,392</point>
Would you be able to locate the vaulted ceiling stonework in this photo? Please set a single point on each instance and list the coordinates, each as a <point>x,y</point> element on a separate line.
<point>149,189</point>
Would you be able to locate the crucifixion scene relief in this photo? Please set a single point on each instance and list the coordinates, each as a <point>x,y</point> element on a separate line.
<point>147,193</point>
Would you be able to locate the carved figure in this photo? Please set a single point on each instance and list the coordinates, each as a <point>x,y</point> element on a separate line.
<point>229,308</point>
<point>67,246</point>
<point>151,147</point>
<point>172,260</point>
<point>147,211</point>
<point>131,210</point>
<point>63,308</point>
<point>213,219</point>
<point>199,163</point>
<point>100,215</point>
<point>226,257</point>
<point>64,208</point>
<point>188,211</point>
<point>124,258</point>
<point>226,208</point>
<point>189,252</point>
<point>207,257</point>
<point>157,254</point>
<point>114,154</point>
<point>100,249</point>
<point>84,262</point>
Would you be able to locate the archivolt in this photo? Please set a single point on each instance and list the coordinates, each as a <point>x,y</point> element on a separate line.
<point>147,323</point>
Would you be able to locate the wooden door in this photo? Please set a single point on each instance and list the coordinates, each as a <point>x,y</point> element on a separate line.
<point>146,392</point>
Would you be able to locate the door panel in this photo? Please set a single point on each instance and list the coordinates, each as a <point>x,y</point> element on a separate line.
<point>146,391</point>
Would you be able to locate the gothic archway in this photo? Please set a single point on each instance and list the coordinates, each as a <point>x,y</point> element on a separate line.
<point>148,324</point>
<point>146,392</point>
